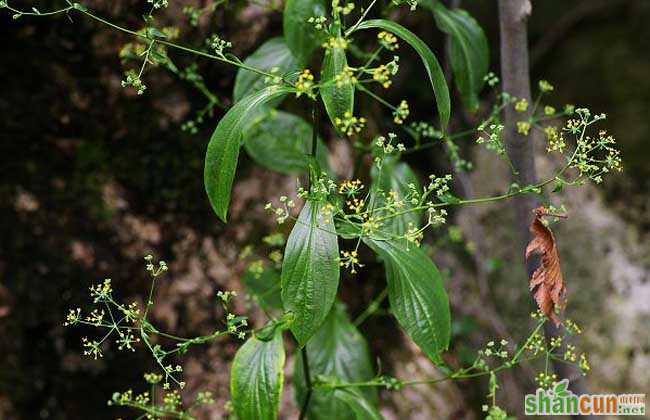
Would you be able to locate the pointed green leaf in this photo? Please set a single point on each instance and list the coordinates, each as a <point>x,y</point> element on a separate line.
<point>257,377</point>
<point>416,294</point>
<point>361,408</point>
<point>310,270</point>
<point>469,52</point>
<point>338,351</point>
<point>223,149</point>
<point>397,177</point>
<point>282,142</point>
<point>431,65</point>
<point>338,100</point>
<point>272,55</point>
<point>302,37</point>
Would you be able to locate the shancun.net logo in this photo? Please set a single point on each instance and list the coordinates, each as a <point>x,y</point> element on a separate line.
<point>559,400</point>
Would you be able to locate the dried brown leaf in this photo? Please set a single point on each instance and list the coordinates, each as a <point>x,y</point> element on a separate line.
<point>546,283</point>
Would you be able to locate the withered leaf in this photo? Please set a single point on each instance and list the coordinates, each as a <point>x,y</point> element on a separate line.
<point>546,283</point>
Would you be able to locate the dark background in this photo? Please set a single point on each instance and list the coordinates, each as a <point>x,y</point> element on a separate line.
<point>93,177</point>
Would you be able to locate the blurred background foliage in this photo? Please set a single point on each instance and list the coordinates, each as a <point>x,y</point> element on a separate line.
<point>94,177</point>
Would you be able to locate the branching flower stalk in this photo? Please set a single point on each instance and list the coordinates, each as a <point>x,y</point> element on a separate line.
<point>128,325</point>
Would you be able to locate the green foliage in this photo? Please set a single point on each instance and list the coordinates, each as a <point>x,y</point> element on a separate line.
<point>396,181</point>
<point>337,351</point>
<point>301,35</point>
<point>282,142</point>
<point>223,149</point>
<point>469,52</point>
<point>274,57</point>
<point>361,408</point>
<point>337,94</point>
<point>257,378</point>
<point>431,65</point>
<point>417,296</point>
<point>264,283</point>
<point>310,270</point>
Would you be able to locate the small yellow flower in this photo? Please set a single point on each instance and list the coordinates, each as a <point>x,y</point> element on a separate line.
<point>350,187</point>
<point>388,40</point>
<point>350,259</point>
<point>521,105</point>
<point>336,42</point>
<point>305,83</point>
<point>350,124</point>
<point>382,75</point>
<point>523,127</point>
<point>346,77</point>
<point>555,140</point>
<point>401,113</point>
<point>545,86</point>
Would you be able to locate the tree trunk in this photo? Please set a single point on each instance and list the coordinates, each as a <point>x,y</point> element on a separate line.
<point>515,75</point>
<point>516,82</point>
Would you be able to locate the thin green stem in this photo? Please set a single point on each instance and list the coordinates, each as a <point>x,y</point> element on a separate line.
<point>361,18</point>
<point>376,97</point>
<point>33,13</point>
<point>177,46</point>
<point>371,308</point>
<point>308,383</point>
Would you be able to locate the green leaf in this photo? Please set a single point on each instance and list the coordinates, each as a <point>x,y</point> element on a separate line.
<point>265,285</point>
<point>469,52</point>
<point>396,176</point>
<point>282,142</point>
<point>273,54</point>
<point>361,408</point>
<point>416,294</point>
<point>302,38</point>
<point>431,65</point>
<point>223,149</point>
<point>339,351</point>
<point>257,377</point>
<point>310,270</point>
<point>347,230</point>
<point>338,100</point>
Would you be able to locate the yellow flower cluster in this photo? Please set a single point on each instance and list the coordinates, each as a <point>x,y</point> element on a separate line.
<point>544,380</point>
<point>545,86</point>
<point>305,83</point>
<point>356,205</point>
<point>571,327</point>
<point>382,75</point>
<point>350,187</point>
<point>570,353</point>
<point>346,77</point>
<point>344,10</point>
<point>350,124</point>
<point>388,40</point>
<point>336,42</point>
<point>521,105</point>
<point>556,142</point>
<point>523,127</point>
<point>584,364</point>
<point>370,224</point>
<point>350,259</point>
<point>401,113</point>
